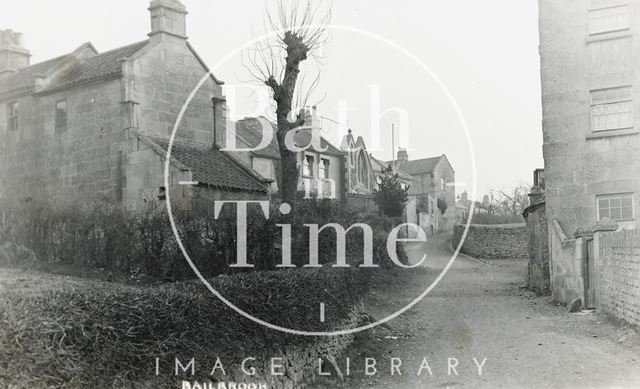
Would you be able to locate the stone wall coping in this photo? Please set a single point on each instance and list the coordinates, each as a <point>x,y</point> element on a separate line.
<point>605,226</point>
<point>557,229</point>
<point>510,225</point>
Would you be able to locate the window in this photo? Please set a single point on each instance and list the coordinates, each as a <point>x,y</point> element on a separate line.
<point>608,16</point>
<point>617,207</point>
<point>442,184</point>
<point>307,166</point>
<point>12,116</point>
<point>611,109</point>
<point>363,174</point>
<point>323,168</point>
<point>61,115</point>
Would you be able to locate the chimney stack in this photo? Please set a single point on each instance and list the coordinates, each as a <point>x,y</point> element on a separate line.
<point>311,117</point>
<point>464,197</point>
<point>13,55</point>
<point>403,156</point>
<point>168,17</point>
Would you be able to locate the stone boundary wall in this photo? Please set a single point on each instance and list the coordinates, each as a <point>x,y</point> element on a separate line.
<point>538,273</point>
<point>618,274</point>
<point>493,241</point>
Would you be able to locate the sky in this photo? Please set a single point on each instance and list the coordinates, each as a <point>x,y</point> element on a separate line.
<point>420,58</point>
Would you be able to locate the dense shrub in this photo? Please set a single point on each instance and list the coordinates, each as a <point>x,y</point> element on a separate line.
<point>391,197</point>
<point>107,236</point>
<point>104,335</point>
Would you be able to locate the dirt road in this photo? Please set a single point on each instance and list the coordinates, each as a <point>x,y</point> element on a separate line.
<point>478,316</point>
<point>479,311</point>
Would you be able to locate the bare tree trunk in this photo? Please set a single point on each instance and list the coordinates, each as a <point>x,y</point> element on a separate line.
<point>301,32</point>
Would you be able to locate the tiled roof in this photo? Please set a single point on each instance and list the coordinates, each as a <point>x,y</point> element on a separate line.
<point>418,166</point>
<point>379,165</point>
<point>24,78</point>
<point>213,167</point>
<point>94,67</point>
<point>249,130</point>
<point>100,65</point>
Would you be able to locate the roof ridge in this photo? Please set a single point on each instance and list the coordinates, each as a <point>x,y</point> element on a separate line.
<point>61,56</point>
<point>121,47</point>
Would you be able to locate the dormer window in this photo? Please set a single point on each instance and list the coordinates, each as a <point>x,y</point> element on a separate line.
<point>61,116</point>
<point>12,116</point>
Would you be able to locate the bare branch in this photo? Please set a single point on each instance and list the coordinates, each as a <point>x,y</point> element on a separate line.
<point>296,31</point>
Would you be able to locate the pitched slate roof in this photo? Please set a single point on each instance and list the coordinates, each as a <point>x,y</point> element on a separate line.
<point>249,132</point>
<point>303,137</point>
<point>87,69</point>
<point>213,167</point>
<point>418,166</point>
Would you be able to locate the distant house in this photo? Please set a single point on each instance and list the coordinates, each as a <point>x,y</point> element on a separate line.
<point>380,166</point>
<point>433,183</point>
<point>342,173</point>
<point>96,124</point>
<point>320,172</point>
<point>463,207</point>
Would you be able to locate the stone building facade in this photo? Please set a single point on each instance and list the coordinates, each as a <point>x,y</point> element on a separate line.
<point>433,180</point>
<point>95,125</point>
<point>590,53</point>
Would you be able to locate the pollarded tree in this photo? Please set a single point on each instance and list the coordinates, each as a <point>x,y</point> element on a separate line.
<point>298,30</point>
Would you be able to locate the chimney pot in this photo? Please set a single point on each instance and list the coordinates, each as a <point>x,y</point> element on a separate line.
<point>168,17</point>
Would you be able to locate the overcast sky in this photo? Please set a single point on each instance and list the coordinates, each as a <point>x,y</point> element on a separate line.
<point>484,52</point>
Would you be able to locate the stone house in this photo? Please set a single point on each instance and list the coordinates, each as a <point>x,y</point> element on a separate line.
<point>321,172</point>
<point>589,53</point>
<point>433,179</point>
<point>97,125</point>
<point>346,173</point>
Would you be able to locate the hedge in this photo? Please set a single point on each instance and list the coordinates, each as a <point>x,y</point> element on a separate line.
<point>108,236</point>
<point>105,335</point>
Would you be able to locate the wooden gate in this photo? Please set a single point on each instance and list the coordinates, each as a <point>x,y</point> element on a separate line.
<point>589,273</point>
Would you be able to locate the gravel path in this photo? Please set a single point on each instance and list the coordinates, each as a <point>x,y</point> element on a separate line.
<point>479,311</point>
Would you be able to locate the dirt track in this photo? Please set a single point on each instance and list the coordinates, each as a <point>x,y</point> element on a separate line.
<point>479,311</point>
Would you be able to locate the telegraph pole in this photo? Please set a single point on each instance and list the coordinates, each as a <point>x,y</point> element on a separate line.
<point>393,145</point>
